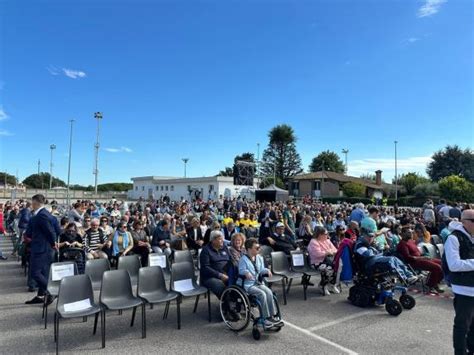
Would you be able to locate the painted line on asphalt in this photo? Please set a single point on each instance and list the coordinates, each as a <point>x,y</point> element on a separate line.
<point>321,339</point>
<point>340,320</point>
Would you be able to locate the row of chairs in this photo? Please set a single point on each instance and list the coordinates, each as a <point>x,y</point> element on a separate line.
<point>116,293</point>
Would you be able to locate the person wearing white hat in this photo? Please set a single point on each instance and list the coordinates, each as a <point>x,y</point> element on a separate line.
<point>280,241</point>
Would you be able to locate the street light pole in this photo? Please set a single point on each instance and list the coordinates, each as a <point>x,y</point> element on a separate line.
<point>345,151</point>
<point>258,164</point>
<point>52,147</point>
<point>69,162</point>
<point>396,173</point>
<point>98,116</point>
<point>185,160</point>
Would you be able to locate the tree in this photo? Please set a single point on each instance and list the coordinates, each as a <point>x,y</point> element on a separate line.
<point>427,189</point>
<point>456,188</point>
<point>11,180</point>
<point>353,189</point>
<point>115,186</point>
<point>452,161</point>
<point>226,172</point>
<point>410,180</point>
<point>41,181</point>
<point>281,155</point>
<point>327,160</point>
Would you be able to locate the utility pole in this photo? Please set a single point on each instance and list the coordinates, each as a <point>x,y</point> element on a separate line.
<point>98,116</point>
<point>39,173</point>
<point>396,173</point>
<point>345,151</point>
<point>185,161</point>
<point>258,164</point>
<point>69,162</point>
<point>52,147</point>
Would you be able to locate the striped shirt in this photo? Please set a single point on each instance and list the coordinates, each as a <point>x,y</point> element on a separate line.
<point>93,240</point>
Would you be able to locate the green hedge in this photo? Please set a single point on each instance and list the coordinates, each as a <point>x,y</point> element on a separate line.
<point>364,200</point>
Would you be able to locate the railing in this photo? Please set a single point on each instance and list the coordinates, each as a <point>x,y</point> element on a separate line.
<point>60,195</point>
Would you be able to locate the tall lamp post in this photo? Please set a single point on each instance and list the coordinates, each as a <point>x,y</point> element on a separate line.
<point>98,117</point>
<point>69,160</point>
<point>52,147</point>
<point>185,161</point>
<point>396,173</point>
<point>345,151</point>
<point>258,165</point>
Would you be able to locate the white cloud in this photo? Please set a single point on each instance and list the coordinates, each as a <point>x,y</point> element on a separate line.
<point>3,114</point>
<point>364,166</point>
<point>74,74</point>
<point>70,73</point>
<point>412,40</point>
<point>430,7</point>
<point>118,150</point>
<point>5,133</point>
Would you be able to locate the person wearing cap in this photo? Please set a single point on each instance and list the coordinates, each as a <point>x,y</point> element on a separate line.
<point>215,263</point>
<point>370,258</point>
<point>357,213</point>
<point>459,252</point>
<point>280,241</point>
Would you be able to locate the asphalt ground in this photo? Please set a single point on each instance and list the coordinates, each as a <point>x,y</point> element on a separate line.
<point>322,324</point>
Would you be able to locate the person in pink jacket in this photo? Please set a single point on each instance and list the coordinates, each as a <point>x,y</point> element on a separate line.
<point>321,253</point>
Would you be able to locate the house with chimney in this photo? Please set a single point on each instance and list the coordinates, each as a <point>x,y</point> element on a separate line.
<point>329,184</point>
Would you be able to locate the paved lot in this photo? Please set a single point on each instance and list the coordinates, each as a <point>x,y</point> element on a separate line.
<point>325,325</point>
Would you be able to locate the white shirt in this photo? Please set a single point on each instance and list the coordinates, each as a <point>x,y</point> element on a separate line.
<point>456,264</point>
<point>37,211</point>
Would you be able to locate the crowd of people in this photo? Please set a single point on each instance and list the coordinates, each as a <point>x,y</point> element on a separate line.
<point>227,234</point>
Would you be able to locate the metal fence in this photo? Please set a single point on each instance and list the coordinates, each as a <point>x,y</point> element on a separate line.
<point>60,195</point>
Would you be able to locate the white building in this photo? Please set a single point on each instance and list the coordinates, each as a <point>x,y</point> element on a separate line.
<point>188,188</point>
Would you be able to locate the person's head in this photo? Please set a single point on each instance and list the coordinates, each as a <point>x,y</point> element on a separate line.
<point>122,227</point>
<point>165,225</point>
<point>230,226</point>
<point>95,224</point>
<point>307,219</point>
<point>354,225</point>
<point>406,233</point>
<point>373,212</point>
<point>467,220</point>
<point>320,233</point>
<point>217,239</point>
<point>420,229</point>
<point>280,228</point>
<point>268,205</point>
<point>71,228</point>
<point>37,201</point>
<point>252,247</point>
<point>137,225</point>
<point>368,235</point>
<point>396,229</point>
<point>195,223</point>
<point>238,240</point>
<point>340,230</point>
<point>104,221</point>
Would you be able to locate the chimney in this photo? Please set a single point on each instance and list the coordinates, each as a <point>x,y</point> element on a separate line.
<point>378,177</point>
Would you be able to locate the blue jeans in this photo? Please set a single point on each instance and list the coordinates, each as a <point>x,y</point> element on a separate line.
<point>216,285</point>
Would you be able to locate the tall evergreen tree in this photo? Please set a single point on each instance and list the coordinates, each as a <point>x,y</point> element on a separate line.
<point>327,160</point>
<point>281,155</point>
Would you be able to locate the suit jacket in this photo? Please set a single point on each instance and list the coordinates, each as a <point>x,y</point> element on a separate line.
<point>261,217</point>
<point>190,241</point>
<point>41,229</point>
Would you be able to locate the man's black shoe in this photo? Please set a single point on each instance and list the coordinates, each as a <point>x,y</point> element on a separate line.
<point>32,289</point>
<point>49,300</point>
<point>35,300</point>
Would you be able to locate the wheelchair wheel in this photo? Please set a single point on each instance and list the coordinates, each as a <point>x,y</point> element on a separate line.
<point>407,301</point>
<point>235,308</point>
<point>256,333</point>
<point>393,307</point>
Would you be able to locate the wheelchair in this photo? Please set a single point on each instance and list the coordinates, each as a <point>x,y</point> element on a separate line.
<point>238,309</point>
<point>379,289</point>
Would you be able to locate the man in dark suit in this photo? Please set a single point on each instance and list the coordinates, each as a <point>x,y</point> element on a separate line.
<point>266,218</point>
<point>42,232</point>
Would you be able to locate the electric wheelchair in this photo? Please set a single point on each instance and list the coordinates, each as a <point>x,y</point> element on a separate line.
<point>379,288</point>
<point>238,309</point>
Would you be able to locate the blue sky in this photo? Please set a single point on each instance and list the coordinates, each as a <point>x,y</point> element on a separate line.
<point>207,80</point>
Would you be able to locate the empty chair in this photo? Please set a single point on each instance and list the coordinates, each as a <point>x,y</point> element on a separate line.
<point>181,256</point>
<point>431,251</point>
<point>183,281</point>
<point>266,253</point>
<point>56,272</point>
<point>95,269</point>
<point>76,300</point>
<point>152,289</point>
<point>299,264</point>
<point>116,295</point>
<point>132,264</point>
<point>281,267</point>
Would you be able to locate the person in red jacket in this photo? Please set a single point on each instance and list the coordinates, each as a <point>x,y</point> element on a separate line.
<point>409,253</point>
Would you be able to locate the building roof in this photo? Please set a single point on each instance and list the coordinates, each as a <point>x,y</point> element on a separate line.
<point>331,175</point>
<point>177,180</point>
